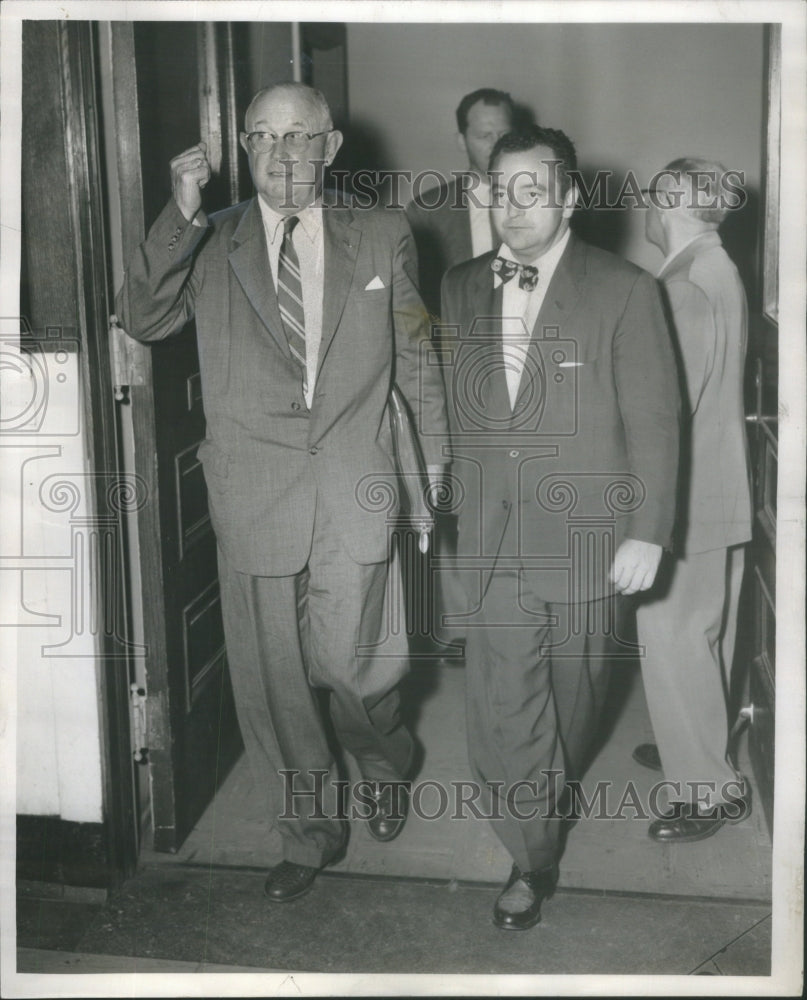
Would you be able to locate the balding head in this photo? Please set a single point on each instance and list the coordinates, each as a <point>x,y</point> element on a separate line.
<point>318,107</point>
<point>700,183</point>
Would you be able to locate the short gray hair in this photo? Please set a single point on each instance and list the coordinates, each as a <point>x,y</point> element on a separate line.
<point>705,199</point>
<point>311,94</point>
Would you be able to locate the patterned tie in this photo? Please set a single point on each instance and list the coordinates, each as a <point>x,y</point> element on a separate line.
<point>290,294</point>
<point>507,268</point>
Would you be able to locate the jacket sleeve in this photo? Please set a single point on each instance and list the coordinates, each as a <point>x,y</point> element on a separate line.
<point>417,371</point>
<point>160,285</point>
<point>696,335</point>
<point>649,404</point>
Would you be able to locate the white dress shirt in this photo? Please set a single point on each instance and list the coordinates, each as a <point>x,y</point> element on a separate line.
<point>309,244</point>
<point>520,310</point>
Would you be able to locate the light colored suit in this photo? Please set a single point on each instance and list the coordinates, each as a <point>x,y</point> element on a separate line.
<point>688,621</point>
<point>302,526</point>
<point>587,458</point>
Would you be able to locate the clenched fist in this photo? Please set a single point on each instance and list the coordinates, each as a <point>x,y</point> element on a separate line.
<point>190,171</point>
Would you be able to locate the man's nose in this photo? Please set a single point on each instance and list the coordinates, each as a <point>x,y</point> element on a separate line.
<point>512,207</point>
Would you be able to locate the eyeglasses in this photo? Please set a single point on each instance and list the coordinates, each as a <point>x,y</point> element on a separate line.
<point>295,142</point>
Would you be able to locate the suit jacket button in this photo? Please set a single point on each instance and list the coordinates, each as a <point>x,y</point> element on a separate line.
<point>514,453</point>
<point>313,451</point>
<point>505,504</point>
<point>295,405</point>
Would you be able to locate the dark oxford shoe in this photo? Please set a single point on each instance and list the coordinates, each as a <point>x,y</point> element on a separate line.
<point>391,809</point>
<point>519,906</point>
<point>685,824</point>
<point>288,881</point>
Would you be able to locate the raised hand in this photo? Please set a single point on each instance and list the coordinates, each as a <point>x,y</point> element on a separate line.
<point>190,171</point>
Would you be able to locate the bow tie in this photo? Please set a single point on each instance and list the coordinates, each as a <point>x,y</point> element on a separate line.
<point>528,278</point>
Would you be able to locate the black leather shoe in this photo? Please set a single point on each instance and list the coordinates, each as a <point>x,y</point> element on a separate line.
<point>391,809</point>
<point>647,755</point>
<point>685,824</point>
<point>519,905</point>
<point>288,881</point>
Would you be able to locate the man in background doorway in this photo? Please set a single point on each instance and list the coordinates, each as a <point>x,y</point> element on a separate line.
<point>458,226</point>
<point>303,309</point>
<point>688,622</point>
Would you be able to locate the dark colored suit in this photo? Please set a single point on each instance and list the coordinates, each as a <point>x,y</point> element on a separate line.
<point>303,539</point>
<point>551,487</point>
<point>442,236</point>
<point>688,621</point>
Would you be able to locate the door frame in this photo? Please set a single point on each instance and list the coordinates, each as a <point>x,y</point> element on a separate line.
<point>215,59</point>
<point>80,184</point>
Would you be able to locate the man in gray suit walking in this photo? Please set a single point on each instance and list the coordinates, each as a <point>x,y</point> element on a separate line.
<point>689,620</point>
<point>306,313</point>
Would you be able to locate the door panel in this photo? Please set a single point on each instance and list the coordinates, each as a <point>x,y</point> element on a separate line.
<point>173,86</point>
<point>763,437</point>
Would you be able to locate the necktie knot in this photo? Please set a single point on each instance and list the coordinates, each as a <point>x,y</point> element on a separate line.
<point>288,224</point>
<point>528,276</point>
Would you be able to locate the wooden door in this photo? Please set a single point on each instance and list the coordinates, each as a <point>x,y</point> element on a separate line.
<point>173,83</point>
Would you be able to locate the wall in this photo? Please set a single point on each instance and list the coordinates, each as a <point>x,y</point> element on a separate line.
<point>48,595</point>
<point>48,627</point>
<point>634,95</point>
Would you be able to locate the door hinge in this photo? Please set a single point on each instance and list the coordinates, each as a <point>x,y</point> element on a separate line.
<point>128,360</point>
<point>138,699</point>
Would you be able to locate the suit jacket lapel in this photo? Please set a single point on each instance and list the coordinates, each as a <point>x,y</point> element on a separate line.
<point>342,239</point>
<point>250,261</point>
<point>559,302</point>
<point>486,305</point>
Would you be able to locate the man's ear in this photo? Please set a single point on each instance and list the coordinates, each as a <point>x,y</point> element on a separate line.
<point>570,200</point>
<point>463,145</point>
<point>332,145</point>
<point>242,138</point>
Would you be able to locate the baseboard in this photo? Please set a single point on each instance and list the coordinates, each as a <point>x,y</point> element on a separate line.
<point>63,852</point>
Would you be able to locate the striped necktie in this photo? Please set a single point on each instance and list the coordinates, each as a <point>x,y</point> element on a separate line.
<point>290,294</point>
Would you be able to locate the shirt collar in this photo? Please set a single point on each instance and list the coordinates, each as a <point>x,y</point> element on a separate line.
<point>546,263</point>
<point>310,219</point>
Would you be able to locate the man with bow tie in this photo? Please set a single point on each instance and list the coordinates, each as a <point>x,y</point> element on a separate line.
<point>306,312</point>
<point>563,407</point>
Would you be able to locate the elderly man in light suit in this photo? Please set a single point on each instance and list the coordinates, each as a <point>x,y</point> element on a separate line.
<point>688,622</point>
<point>306,313</point>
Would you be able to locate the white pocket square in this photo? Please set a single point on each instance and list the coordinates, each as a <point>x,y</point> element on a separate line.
<point>375,283</point>
<point>570,364</point>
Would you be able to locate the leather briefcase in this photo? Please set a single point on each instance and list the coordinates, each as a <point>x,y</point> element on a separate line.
<point>413,479</point>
